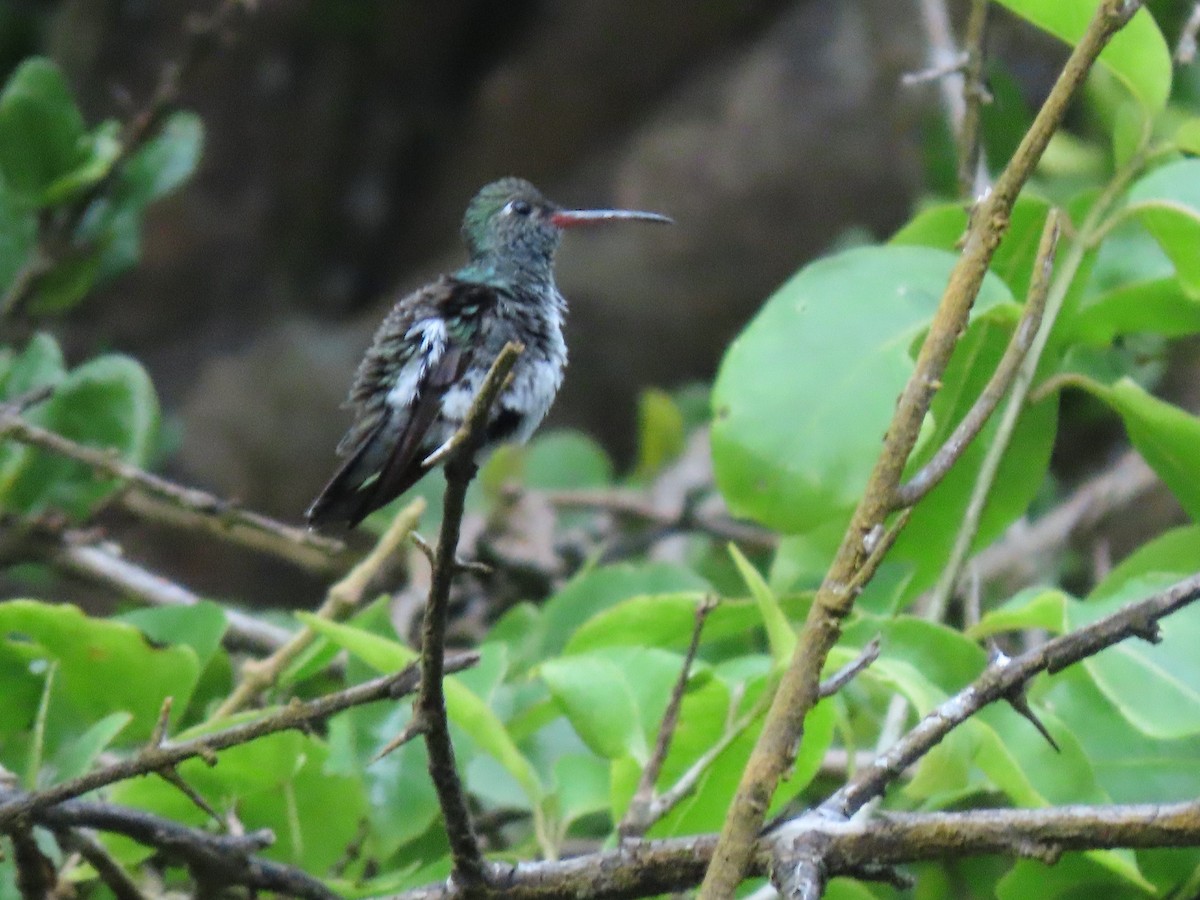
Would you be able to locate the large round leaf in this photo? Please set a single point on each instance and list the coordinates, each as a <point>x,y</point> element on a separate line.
<point>805,393</point>
<point>1137,54</point>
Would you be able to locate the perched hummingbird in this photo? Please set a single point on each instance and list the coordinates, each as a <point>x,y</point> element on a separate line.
<point>432,352</point>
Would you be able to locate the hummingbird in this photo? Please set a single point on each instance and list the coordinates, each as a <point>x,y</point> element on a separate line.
<point>432,352</point>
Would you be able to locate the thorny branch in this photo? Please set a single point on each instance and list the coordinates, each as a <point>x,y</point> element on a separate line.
<point>798,689</point>
<point>470,868</point>
<point>644,868</point>
<point>171,753</point>
<point>1002,676</point>
<point>213,859</point>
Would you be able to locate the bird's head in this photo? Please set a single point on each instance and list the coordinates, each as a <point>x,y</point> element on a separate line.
<point>510,219</point>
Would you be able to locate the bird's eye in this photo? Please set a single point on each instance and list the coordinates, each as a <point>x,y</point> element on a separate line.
<point>520,207</point>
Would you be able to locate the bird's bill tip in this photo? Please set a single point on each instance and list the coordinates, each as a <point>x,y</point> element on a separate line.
<point>575,218</point>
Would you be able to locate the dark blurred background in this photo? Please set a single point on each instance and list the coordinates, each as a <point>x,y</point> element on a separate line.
<point>344,138</point>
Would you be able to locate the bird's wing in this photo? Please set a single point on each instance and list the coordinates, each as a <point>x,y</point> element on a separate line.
<point>415,358</point>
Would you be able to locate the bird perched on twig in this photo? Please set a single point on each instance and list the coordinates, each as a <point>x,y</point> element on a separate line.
<point>432,352</point>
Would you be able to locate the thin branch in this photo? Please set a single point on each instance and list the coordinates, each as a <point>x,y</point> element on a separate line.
<point>296,715</point>
<point>932,473</point>
<point>470,868</point>
<point>1185,50</point>
<point>102,564</point>
<point>999,680</point>
<point>990,467</point>
<point>1026,548</point>
<point>84,842</point>
<point>157,497</point>
<point>342,598</point>
<point>851,670</point>
<point>637,816</point>
<point>972,167</point>
<point>627,505</point>
<point>222,859</point>
<point>798,689</point>
<point>642,868</point>
<point>36,876</point>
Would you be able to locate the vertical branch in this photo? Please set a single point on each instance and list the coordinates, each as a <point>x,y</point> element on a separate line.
<point>972,167</point>
<point>799,687</point>
<point>470,868</point>
<point>258,675</point>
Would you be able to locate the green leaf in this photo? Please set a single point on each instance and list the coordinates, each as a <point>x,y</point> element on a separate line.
<point>942,226</point>
<point>596,696</point>
<point>463,707</point>
<point>200,627</point>
<point>98,152</point>
<point>1156,686</point>
<point>75,758</point>
<point>103,667</point>
<point>165,162</point>
<point>1131,766</point>
<point>795,452</point>
<point>1137,54</point>
<point>581,786</point>
<point>66,284</point>
<point>1159,306</point>
<point>18,234</point>
<point>40,364</point>
<point>279,781</point>
<point>108,403</point>
<point>381,654</point>
<point>42,134</point>
<point>661,432</point>
<point>555,460</point>
<point>1167,437</point>
<point>933,527</point>
<point>1167,201</point>
<point>662,620</point>
<point>1035,608</point>
<point>1171,556</point>
<point>595,590</point>
<point>780,634</point>
<point>1187,137</point>
<point>1102,873</point>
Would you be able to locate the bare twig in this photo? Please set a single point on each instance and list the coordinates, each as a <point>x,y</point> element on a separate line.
<point>798,689</point>
<point>637,817</point>
<point>631,506</point>
<point>36,876</point>
<point>851,670</point>
<point>641,868</point>
<point>470,868</point>
<point>998,681</point>
<point>84,842</point>
<point>294,715</point>
<point>972,167</point>
<point>932,473</point>
<point>221,859</point>
<point>102,563</point>
<point>157,497</point>
<point>346,595</point>
<point>1026,548</point>
<point>1072,261</point>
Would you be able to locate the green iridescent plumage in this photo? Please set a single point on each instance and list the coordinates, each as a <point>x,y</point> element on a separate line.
<point>433,349</point>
